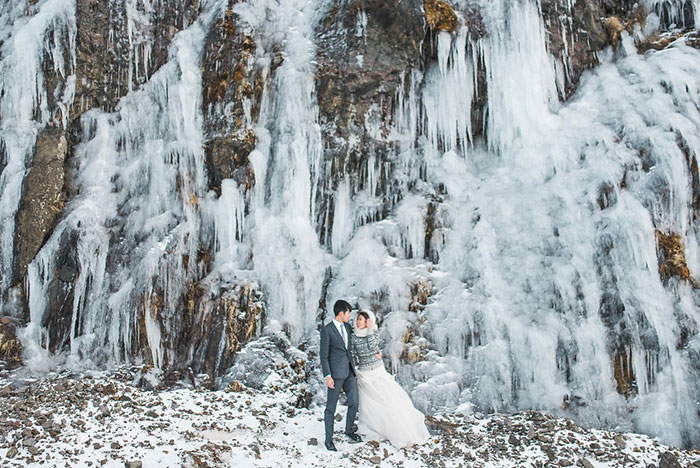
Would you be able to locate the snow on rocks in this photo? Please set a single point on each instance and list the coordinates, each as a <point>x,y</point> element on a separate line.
<point>106,421</point>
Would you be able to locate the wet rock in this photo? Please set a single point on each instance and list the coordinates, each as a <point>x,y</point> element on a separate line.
<point>668,460</point>
<point>42,197</point>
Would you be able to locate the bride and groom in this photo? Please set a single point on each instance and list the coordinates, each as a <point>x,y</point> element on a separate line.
<point>351,362</point>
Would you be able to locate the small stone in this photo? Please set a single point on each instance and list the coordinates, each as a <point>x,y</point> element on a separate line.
<point>12,453</point>
<point>28,442</point>
<point>374,444</point>
<point>531,433</point>
<point>338,417</point>
<point>133,464</point>
<point>33,450</point>
<point>565,462</point>
<point>549,452</point>
<point>668,460</point>
<point>620,441</point>
<point>236,386</point>
<point>585,463</point>
<point>116,445</point>
<point>313,441</point>
<point>151,414</point>
<point>376,460</point>
<point>512,440</point>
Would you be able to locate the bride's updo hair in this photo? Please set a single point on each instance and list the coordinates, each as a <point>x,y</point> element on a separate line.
<point>364,314</point>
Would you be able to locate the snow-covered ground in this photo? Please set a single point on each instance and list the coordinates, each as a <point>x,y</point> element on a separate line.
<point>107,421</point>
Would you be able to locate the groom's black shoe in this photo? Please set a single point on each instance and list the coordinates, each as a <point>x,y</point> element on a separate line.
<point>330,446</point>
<point>354,437</point>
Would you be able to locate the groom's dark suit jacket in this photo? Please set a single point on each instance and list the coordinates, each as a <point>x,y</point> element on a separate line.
<point>336,360</point>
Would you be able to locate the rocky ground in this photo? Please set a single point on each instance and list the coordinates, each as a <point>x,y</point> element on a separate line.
<point>71,421</point>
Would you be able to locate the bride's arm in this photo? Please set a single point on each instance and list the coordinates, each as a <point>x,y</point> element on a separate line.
<point>375,345</point>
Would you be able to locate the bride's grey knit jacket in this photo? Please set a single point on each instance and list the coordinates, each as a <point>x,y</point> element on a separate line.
<point>364,350</point>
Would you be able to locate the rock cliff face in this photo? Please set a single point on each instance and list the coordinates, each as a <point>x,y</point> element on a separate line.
<point>421,203</point>
<point>43,197</point>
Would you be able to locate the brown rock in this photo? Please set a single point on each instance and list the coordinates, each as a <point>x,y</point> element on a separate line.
<point>440,15</point>
<point>614,27</point>
<point>42,197</point>
<point>236,386</point>
<point>10,351</point>
<point>671,255</point>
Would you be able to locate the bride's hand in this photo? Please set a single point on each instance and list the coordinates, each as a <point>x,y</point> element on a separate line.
<point>379,354</point>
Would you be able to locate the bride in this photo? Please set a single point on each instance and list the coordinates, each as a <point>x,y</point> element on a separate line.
<point>386,410</point>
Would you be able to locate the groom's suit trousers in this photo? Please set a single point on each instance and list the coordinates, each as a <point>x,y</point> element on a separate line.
<point>349,386</point>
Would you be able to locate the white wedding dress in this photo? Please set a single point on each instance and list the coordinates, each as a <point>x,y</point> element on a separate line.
<point>385,409</point>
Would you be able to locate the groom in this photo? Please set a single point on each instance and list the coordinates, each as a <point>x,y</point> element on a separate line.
<point>339,371</point>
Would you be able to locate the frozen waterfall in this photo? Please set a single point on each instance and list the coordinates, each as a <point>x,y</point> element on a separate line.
<point>516,269</point>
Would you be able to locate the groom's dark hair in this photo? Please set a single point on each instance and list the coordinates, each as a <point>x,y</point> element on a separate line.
<point>341,306</point>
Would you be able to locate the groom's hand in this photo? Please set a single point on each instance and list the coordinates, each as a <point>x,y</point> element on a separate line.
<point>329,382</point>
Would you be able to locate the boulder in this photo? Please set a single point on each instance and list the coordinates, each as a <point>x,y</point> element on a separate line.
<point>10,346</point>
<point>668,460</point>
